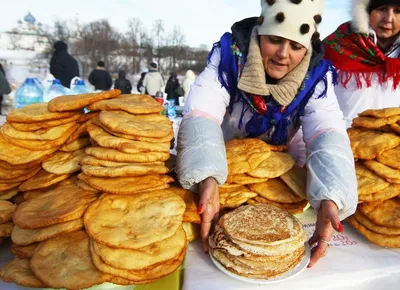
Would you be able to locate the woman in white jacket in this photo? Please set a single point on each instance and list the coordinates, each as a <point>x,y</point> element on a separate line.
<point>265,80</point>
<point>366,53</point>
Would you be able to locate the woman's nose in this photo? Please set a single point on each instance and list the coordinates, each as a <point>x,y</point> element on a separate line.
<point>283,51</point>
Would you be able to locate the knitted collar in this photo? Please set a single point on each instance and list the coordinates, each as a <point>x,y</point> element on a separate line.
<point>253,79</point>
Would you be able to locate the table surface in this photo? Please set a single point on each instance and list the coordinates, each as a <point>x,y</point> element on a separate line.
<point>351,263</point>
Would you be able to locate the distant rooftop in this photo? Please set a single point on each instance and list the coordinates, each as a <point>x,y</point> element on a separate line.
<point>30,18</point>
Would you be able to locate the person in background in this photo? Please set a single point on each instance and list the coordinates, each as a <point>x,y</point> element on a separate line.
<point>268,79</point>
<point>366,53</point>
<point>140,88</point>
<point>62,65</point>
<point>187,83</point>
<point>122,83</point>
<point>100,78</point>
<point>153,81</point>
<point>172,88</point>
<point>4,85</point>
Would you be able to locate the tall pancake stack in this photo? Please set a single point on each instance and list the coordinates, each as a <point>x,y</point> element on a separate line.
<point>131,142</point>
<point>258,241</point>
<point>262,173</point>
<point>376,148</point>
<point>51,246</point>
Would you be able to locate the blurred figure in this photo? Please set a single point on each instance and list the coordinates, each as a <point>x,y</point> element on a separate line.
<point>62,65</point>
<point>100,78</point>
<point>140,88</point>
<point>153,81</point>
<point>122,83</point>
<point>187,83</point>
<point>173,87</point>
<point>4,85</point>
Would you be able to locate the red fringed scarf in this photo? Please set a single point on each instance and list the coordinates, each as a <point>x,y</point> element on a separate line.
<point>357,56</point>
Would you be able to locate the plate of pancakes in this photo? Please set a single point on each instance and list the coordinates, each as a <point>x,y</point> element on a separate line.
<point>259,244</point>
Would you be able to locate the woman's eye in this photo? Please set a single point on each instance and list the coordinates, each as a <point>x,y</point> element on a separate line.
<point>295,47</point>
<point>397,11</point>
<point>274,40</point>
<point>382,8</point>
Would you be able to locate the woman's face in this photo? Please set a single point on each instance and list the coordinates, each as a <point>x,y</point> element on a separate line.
<point>280,55</point>
<point>385,21</point>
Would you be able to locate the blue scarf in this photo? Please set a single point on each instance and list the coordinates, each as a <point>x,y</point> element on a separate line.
<point>275,122</point>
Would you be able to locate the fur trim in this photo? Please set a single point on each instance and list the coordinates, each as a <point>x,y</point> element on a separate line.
<point>360,21</point>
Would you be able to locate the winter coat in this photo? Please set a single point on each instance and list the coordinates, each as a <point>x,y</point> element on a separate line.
<point>171,89</point>
<point>210,119</point>
<point>123,84</point>
<point>153,82</point>
<point>354,100</point>
<point>100,79</point>
<point>64,67</point>
<point>187,83</point>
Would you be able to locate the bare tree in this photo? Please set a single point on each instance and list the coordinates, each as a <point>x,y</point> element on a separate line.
<point>158,29</point>
<point>177,43</point>
<point>98,41</point>
<point>136,34</point>
<point>15,39</point>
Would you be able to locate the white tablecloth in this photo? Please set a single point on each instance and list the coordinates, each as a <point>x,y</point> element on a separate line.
<point>2,119</point>
<point>351,263</point>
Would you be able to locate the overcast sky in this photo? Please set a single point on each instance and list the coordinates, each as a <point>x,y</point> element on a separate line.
<point>202,22</point>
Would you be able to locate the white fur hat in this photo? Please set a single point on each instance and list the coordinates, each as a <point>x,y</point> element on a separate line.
<point>361,11</point>
<point>296,20</point>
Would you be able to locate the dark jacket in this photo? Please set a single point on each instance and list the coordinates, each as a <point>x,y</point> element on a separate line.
<point>101,79</point>
<point>171,88</point>
<point>63,66</point>
<point>121,83</point>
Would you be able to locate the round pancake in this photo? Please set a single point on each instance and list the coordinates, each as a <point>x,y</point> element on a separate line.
<point>388,193</point>
<point>18,271</point>
<point>29,127</point>
<point>124,170</point>
<point>296,180</point>
<point>244,179</point>
<point>390,157</point>
<point>107,140</point>
<point>134,104</point>
<point>363,220</point>
<point>24,237</point>
<point>4,195</point>
<point>191,200</point>
<point>117,156</point>
<point>244,155</point>
<point>6,229</point>
<point>90,160</point>
<point>292,208</point>
<point>275,190</point>
<point>68,204</point>
<point>274,166</point>
<point>374,123</point>
<point>52,133</point>
<point>369,182</point>
<point>375,238</point>
<point>23,252</point>
<point>64,162</point>
<point>65,262</point>
<point>146,257</point>
<point>37,113</point>
<point>42,179</point>
<point>136,221</point>
<point>6,211</point>
<point>141,125</point>
<point>78,102</point>
<point>385,213</point>
<point>369,144</point>
<point>76,145</point>
<point>6,186</point>
<point>262,224</point>
<point>140,276</point>
<point>381,113</point>
<point>382,170</point>
<point>127,185</point>
<point>16,155</point>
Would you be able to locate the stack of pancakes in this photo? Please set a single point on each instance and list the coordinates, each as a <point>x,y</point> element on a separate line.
<point>262,173</point>
<point>137,237</point>
<point>51,242</point>
<point>131,141</point>
<point>376,148</point>
<point>6,225</point>
<point>258,241</point>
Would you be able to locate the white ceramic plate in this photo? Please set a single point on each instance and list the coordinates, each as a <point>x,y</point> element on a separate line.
<point>285,276</point>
